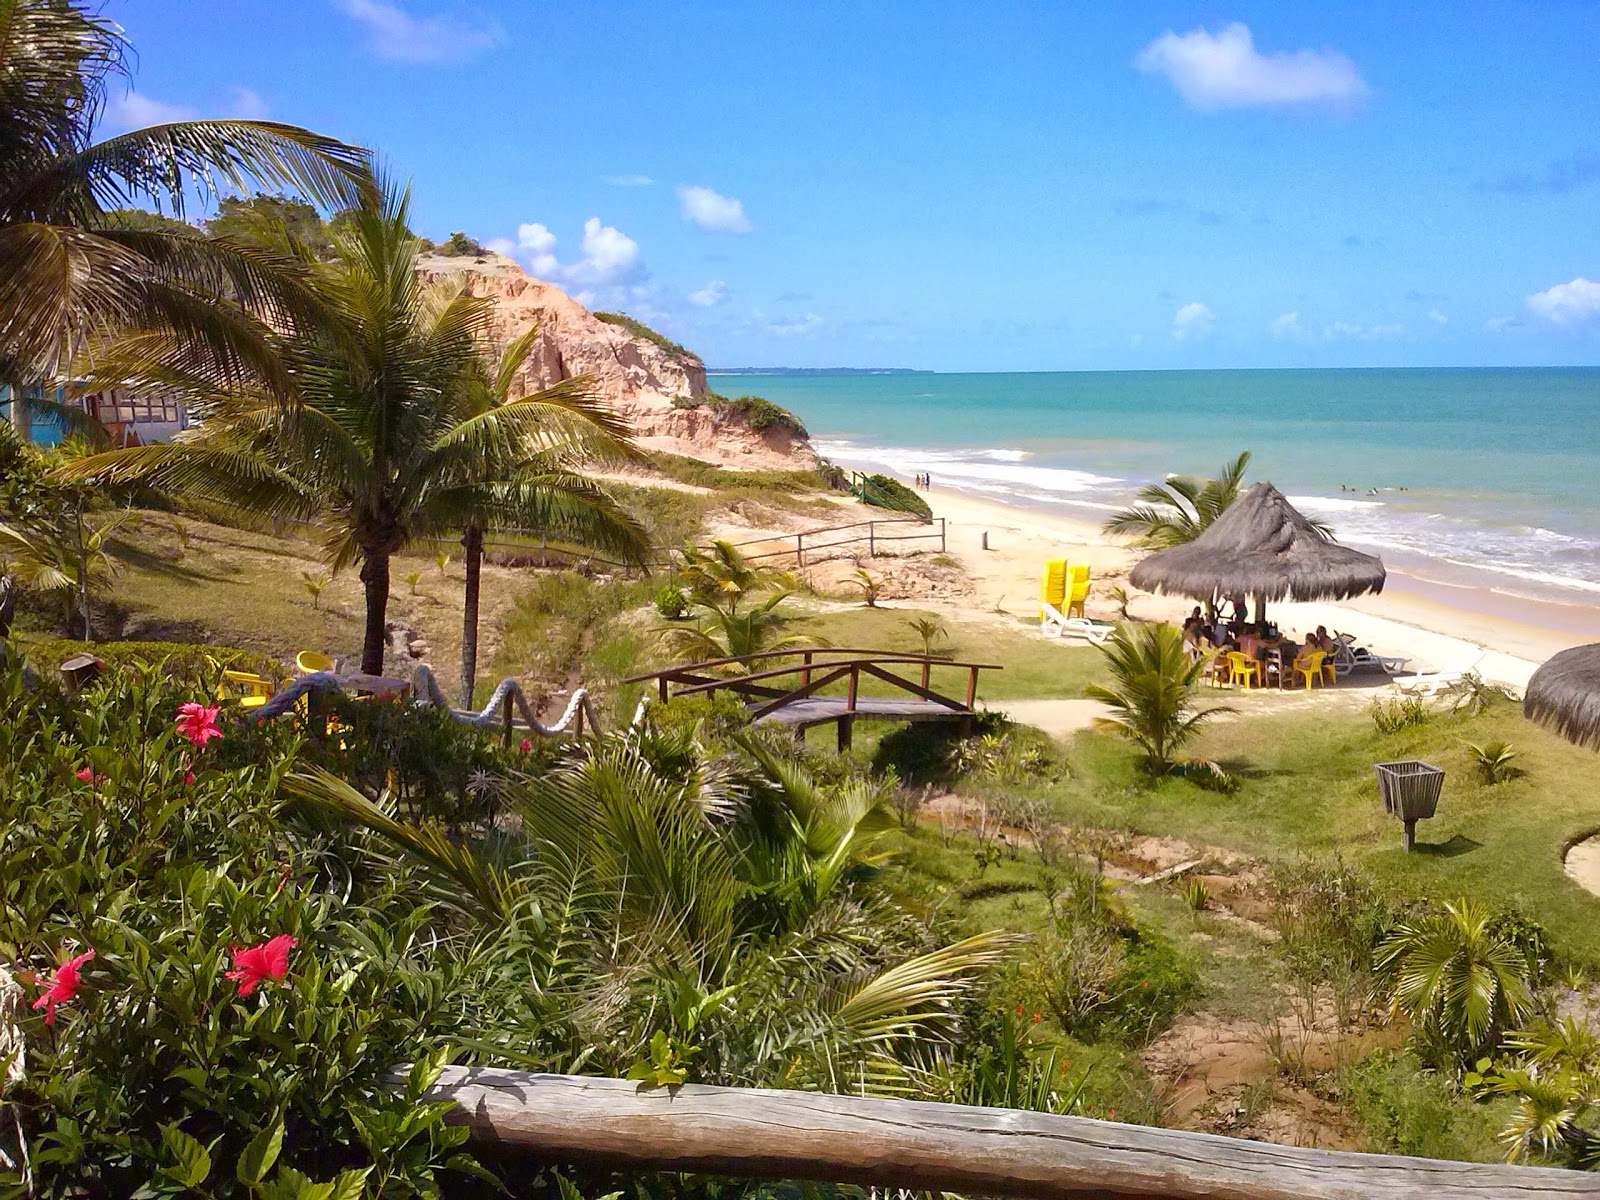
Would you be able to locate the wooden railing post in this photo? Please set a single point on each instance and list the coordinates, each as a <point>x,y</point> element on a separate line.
<point>508,708</point>
<point>872,540</point>
<point>661,688</point>
<point>805,671</point>
<point>926,667</point>
<point>800,551</point>
<point>972,685</point>
<point>941,535</point>
<point>855,683</point>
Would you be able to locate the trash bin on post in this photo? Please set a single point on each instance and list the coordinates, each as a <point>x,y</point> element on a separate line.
<point>1410,791</point>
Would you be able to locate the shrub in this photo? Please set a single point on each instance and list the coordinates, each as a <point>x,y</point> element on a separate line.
<point>759,413</point>
<point>181,662</point>
<point>160,1075</point>
<point>1394,716</point>
<point>460,245</point>
<point>640,330</point>
<point>941,752</point>
<point>882,491</point>
<point>672,601</point>
<point>713,717</point>
<point>1407,1109</point>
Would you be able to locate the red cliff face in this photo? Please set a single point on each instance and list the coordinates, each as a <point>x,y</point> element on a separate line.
<point>653,387</point>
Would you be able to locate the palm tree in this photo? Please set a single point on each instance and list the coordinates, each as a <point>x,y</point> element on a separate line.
<point>1153,690</point>
<point>551,499</point>
<point>1463,985</point>
<point>68,269</point>
<point>357,421</point>
<point>725,632</point>
<point>1181,509</point>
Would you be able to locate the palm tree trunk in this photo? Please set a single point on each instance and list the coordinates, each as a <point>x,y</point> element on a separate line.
<point>472,552</point>
<point>375,579</point>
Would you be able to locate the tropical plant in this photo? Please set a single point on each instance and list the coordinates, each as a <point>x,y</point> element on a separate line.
<point>1153,690</point>
<point>1463,983</point>
<point>729,633</point>
<point>314,582</point>
<point>871,585</point>
<point>1180,509</point>
<point>720,576</point>
<point>1555,1081</point>
<point>68,268</point>
<point>1472,694</point>
<point>1404,712</point>
<point>549,497</point>
<point>1494,761</point>
<point>672,601</point>
<point>930,630</point>
<point>356,423</point>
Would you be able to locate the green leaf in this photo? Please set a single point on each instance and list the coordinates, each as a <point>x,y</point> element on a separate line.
<point>468,1165</point>
<point>194,1160</point>
<point>348,1185</point>
<point>260,1154</point>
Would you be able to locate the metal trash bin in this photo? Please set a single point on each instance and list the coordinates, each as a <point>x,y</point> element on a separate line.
<point>1410,791</point>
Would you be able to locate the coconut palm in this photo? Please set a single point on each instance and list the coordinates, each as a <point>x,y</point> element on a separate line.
<point>553,501</point>
<point>68,269</point>
<point>356,421</point>
<point>1180,509</point>
<point>1556,1087</point>
<point>728,633</point>
<point>1153,690</point>
<point>1463,985</point>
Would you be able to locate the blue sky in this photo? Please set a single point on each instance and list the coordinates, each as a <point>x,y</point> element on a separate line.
<point>970,187</point>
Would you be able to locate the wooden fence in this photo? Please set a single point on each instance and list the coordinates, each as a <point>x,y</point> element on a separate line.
<point>758,1134</point>
<point>814,545</point>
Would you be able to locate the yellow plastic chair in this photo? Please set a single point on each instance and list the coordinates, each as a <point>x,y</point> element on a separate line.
<point>1053,585</point>
<point>1243,670</point>
<point>1078,588</point>
<point>1310,665</point>
<point>308,662</point>
<point>246,688</point>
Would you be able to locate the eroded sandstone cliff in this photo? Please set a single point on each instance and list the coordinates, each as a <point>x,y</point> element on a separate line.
<point>654,387</point>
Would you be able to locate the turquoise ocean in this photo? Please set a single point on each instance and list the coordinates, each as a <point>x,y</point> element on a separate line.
<point>1465,476</point>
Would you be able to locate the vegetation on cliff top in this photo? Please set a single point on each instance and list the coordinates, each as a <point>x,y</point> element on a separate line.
<point>640,330</point>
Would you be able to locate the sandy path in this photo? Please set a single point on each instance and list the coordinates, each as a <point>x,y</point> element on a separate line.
<point>1583,864</point>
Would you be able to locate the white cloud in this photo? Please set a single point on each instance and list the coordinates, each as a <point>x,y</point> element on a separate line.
<point>609,256</point>
<point>1501,324</point>
<point>713,211</point>
<point>629,180</point>
<point>1225,70</point>
<point>1193,320</point>
<point>1566,303</point>
<point>247,105</point>
<point>1342,331</point>
<point>713,293</point>
<point>395,34</point>
<point>134,111</point>
<point>1288,326</point>
<point>795,326</point>
<point>1438,318</point>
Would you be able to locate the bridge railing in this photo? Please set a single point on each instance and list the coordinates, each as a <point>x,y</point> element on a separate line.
<point>781,1135</point>
<point>817,667</point>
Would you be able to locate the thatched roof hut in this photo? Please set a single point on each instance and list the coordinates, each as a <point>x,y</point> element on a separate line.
<point>1564,694</point>
<point>1261,546</point>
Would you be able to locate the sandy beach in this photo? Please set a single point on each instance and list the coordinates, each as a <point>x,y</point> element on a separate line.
<point>1502,637</point>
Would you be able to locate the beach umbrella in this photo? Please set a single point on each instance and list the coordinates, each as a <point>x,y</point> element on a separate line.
<point>1564,695</point>
<point>1261,546</point>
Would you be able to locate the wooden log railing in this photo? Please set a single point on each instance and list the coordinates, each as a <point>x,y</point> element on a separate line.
<point>758,1134</point>
<point>815,545</point>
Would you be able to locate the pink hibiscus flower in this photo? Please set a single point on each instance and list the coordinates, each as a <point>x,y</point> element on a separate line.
<point>63,987</point>
<point>87,774</point>
<point>198,722</point>
<point>257,964</point>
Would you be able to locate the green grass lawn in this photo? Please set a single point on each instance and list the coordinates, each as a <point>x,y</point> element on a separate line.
<point>1032,666</point>
<point>1308,788</point>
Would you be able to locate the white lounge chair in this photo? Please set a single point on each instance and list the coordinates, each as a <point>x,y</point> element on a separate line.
<point>1349,657</point>
<point>1054,624</point>
<point>1429,683</point>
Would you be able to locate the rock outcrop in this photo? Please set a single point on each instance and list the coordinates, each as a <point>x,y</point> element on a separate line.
<point>657,389</point>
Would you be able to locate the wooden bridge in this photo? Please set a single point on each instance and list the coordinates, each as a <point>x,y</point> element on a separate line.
<point>802,702</point>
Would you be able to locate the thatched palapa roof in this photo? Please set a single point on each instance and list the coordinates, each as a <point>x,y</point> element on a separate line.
<point>1263,547</point>
<point>1564,694</point>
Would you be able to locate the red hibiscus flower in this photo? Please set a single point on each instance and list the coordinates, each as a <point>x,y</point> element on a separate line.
<point>525,745</point>
<point>255,965</point>
<point>88,776</point>
<point>188,778</point>
<point>198,722</point>
<point>64,986</point>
